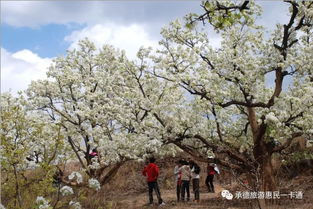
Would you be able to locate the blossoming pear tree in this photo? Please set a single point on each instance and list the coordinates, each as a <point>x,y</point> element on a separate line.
<point>96,96</point>
<point>251,96</point>
<point>28,142</point>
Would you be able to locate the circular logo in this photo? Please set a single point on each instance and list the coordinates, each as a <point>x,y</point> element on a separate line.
<point>226,194</point>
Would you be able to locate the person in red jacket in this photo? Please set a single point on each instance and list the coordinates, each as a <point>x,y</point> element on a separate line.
<point>151,171</point>
<point>212,169</point>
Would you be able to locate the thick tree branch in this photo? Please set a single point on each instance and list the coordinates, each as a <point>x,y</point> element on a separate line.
<point>287,143</point>
<point>111,173</point>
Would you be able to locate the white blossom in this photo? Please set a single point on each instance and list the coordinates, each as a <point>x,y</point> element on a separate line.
<point>42,203</point>
<point>75,205</point>
<point>66,190</point>
<point>270,117</point>
<point>94,163</point>
<point>76,176</point>
<point>94,183</point>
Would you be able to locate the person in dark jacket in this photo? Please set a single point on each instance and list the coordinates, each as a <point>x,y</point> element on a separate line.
<point>151,171</point>
<point>195,177</point>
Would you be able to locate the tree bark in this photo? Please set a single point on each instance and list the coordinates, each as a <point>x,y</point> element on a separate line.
<point>267,174</point>
<point>17,189</point>
<point>264,166</point>
<point>111,173</point>
<point>262,154</point>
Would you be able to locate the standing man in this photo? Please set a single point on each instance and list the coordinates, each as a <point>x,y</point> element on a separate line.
<point>151,171</point>
<point>195,176</point>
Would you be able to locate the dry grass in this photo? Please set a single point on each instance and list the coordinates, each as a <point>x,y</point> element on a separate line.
<point>128,190</point>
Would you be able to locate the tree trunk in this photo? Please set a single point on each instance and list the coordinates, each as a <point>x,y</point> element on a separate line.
<point>17,189</point>
<point>267,174</point>
<point>262,153</point>
<point>111,173</point>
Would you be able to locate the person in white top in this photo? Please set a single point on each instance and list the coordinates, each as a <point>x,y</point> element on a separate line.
<point>178,179</point>
<point>186,174</point>
<point>195,176</point>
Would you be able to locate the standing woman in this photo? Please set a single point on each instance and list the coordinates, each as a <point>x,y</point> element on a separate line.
<point>195,176</point>
<point>186,175</point>
<point>212,169</point>
<point>178,179</point>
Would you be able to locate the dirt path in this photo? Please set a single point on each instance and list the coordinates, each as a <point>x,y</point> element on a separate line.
<point>207,201</point>
<point>139,201</point>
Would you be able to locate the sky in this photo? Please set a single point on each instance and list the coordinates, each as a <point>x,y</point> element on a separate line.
<point>33,33</point>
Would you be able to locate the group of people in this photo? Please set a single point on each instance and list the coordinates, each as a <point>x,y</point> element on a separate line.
<point>185,171</point>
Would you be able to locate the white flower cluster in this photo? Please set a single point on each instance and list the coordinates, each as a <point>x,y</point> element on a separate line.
<point>94,184</point>
<point>94,163</point>
<point>1,206</point>
<point>66,190</point>
<point>75,205</point>
<point>270,117</point>
<point>42,203</point>
<point>76,176</point>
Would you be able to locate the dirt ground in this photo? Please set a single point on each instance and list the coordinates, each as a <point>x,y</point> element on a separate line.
<point>208,201</point>
<point>139,201</point>
<point>131,193</point>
